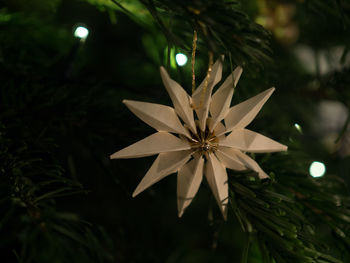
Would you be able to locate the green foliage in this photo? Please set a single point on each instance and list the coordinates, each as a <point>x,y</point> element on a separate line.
<point>132,8</point>
<point>222,27</point>
<point>19,49</point>
<point>32,179</point>
<point>35,6</point>
<point>286,213</point>
<point>30,183</point>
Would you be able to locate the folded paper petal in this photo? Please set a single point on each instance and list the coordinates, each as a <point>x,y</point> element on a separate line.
<point>251,164</point>
<point>156,143</point>
<point>249,141</point>
<point>242,114</point>
<point>201,98</point>
<point>238,161</point>
<point>219,129</point>
<point>181,100</point>
<point>216,176</point>
<point>165,164</point>
<point>160,117</point>
<point>189,179</point>
<point>214,78</point>
<point>221,100</point>
<point>228,157</point>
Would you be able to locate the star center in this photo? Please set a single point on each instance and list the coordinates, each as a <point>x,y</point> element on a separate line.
<point>203,142</point>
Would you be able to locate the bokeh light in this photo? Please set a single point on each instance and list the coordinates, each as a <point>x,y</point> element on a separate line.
<point>181,59</point>
<point>298,127</point>
<point>81,32</point>
<point>317,169</point>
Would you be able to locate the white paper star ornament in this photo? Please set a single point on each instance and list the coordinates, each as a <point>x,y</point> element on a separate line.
<point>195,147</point>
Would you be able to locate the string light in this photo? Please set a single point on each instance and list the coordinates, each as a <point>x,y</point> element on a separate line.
<point>317,169</point>
<point>298,127</point>
<point>181,59</point>
<point>81,32</point>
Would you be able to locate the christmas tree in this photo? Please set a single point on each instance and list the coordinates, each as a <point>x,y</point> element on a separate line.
<point>67,66</point>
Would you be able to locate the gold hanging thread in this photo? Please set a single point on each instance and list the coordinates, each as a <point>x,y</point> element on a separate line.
<point>206,82</point>
<point>210,66</point>
<point>194,47</point>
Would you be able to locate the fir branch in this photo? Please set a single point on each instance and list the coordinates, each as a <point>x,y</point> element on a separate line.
<point>274,218</point>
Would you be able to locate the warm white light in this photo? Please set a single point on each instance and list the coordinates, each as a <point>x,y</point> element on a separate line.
<point>81,32</point>
<point>181,59</point>
<point>298,127</point>
<point>317,169</point>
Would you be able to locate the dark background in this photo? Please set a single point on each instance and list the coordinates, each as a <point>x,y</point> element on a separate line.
<point>61,116</point>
